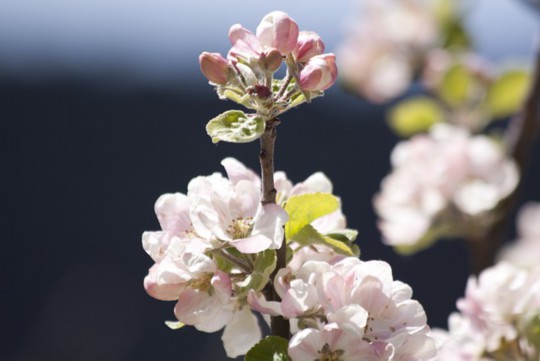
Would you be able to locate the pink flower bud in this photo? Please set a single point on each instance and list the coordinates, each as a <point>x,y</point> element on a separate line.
<point>309,45</point>
<point>214,67</point>
<point>319,73</point>
<point>277,30</point>
<point>244,43</point>
<point>270,60</point>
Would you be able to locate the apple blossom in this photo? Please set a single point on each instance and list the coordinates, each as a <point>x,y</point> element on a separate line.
<point>279,31</point>
<point>214,67</point>
<point>309,45</point>
<point>319,73</point>
<point>437,177</point>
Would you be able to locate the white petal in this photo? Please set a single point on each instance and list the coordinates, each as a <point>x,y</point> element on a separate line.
<point>241,333</point>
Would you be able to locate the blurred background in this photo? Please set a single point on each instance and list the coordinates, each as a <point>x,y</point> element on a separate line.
<point>102,109</point>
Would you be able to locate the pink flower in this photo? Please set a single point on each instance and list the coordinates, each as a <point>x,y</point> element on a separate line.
<point>319,73</point>
<point>214,67</point>
<point>334,344</point>
<point>277,30</point>
<point>309,45</point>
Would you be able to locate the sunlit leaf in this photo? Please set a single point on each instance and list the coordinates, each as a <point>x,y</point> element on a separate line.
<point>236,127</point>
<point>305,208</point>
<point>456,85</point>
<point>414,115</point>
<point>506,95</point>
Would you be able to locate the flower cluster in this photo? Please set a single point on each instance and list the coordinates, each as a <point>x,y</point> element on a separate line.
<point>347,309</point>
<point>217,243</point>
<point>246,75</point>
<point>215,255</point>
<point>499,317</point>
<point>380,55</point>
<point>440,182</point>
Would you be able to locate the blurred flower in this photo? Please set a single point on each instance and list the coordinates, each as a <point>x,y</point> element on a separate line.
<point>443,183</point>
<point>384,46</point>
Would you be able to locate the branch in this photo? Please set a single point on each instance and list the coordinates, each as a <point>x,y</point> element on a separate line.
<point>278,325</point>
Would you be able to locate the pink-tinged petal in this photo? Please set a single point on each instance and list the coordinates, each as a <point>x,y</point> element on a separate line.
<point>215,67</point>
<point>332,286</point>
<point>244,43</point>
<point>172,211</point>
<point>236,171</point>
<point>165,281</point>
<point>200,309</point>
<point>277,30</point>
<point>222,285</point>
<point>309,45</point>
<point>198,263</point>
<point>241,333</point>
<point>269,222</point>
<point>319,73</point>
<point>250,245</point>
<point>310,344</point>
<point>155,244</point>
<point>246,199</point>
<point>259,303</point>
<point>351,319</point>
<point>207,221</point>
<point>299,298</point>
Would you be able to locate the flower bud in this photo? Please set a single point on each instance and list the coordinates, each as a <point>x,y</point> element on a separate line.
<point>270,60</point>
<point>309,45</point>
<point>319,73</point>
<point>245,44</point>
<point>277,30</point>
<point>214,67</point>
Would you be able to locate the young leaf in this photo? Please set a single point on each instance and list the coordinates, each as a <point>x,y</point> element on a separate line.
<point>271,348</point>
<point>309,235</point>
<point>456,85</point>
<point>305,208</point>
<point>507,94</point>
<point>414,115</point>
<point>236,127</point>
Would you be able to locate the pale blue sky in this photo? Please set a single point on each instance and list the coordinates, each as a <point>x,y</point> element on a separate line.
<point>160,38</point>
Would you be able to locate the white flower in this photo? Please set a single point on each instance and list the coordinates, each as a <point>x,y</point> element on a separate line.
<point>439,179</point>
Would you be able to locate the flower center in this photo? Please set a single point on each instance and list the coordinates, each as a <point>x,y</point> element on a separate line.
<point>326,354</point>
<point>203,283</point>
<point>240,227</point>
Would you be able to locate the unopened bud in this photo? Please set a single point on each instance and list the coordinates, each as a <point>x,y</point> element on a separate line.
<point>271,60</point>
<point>309,45</point>
<point>214,67</point>
<point>277,30</point>
<point>319,73</point>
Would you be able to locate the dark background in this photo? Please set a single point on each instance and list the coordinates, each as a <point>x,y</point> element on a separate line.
<point>86,154</point>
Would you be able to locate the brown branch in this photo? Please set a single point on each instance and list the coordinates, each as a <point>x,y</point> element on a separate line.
<point>278,325</point>
<point>520,136</point>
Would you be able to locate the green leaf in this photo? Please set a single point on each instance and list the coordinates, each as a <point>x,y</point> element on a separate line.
<point>456,84</point>
<point>271,348</point>
<point>454,35</point>
<point>414,115</point>
<point>507,94</point>
<point>309,235</point>
<point>346,237</point>
<point>305,208</point>
<point>264,265</point>
<point>236,127</point>
<point>265,262</point>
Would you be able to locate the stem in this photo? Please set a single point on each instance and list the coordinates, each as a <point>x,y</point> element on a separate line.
<point>520,136</point>
<point>284,86</point>
<point>278,325</point>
